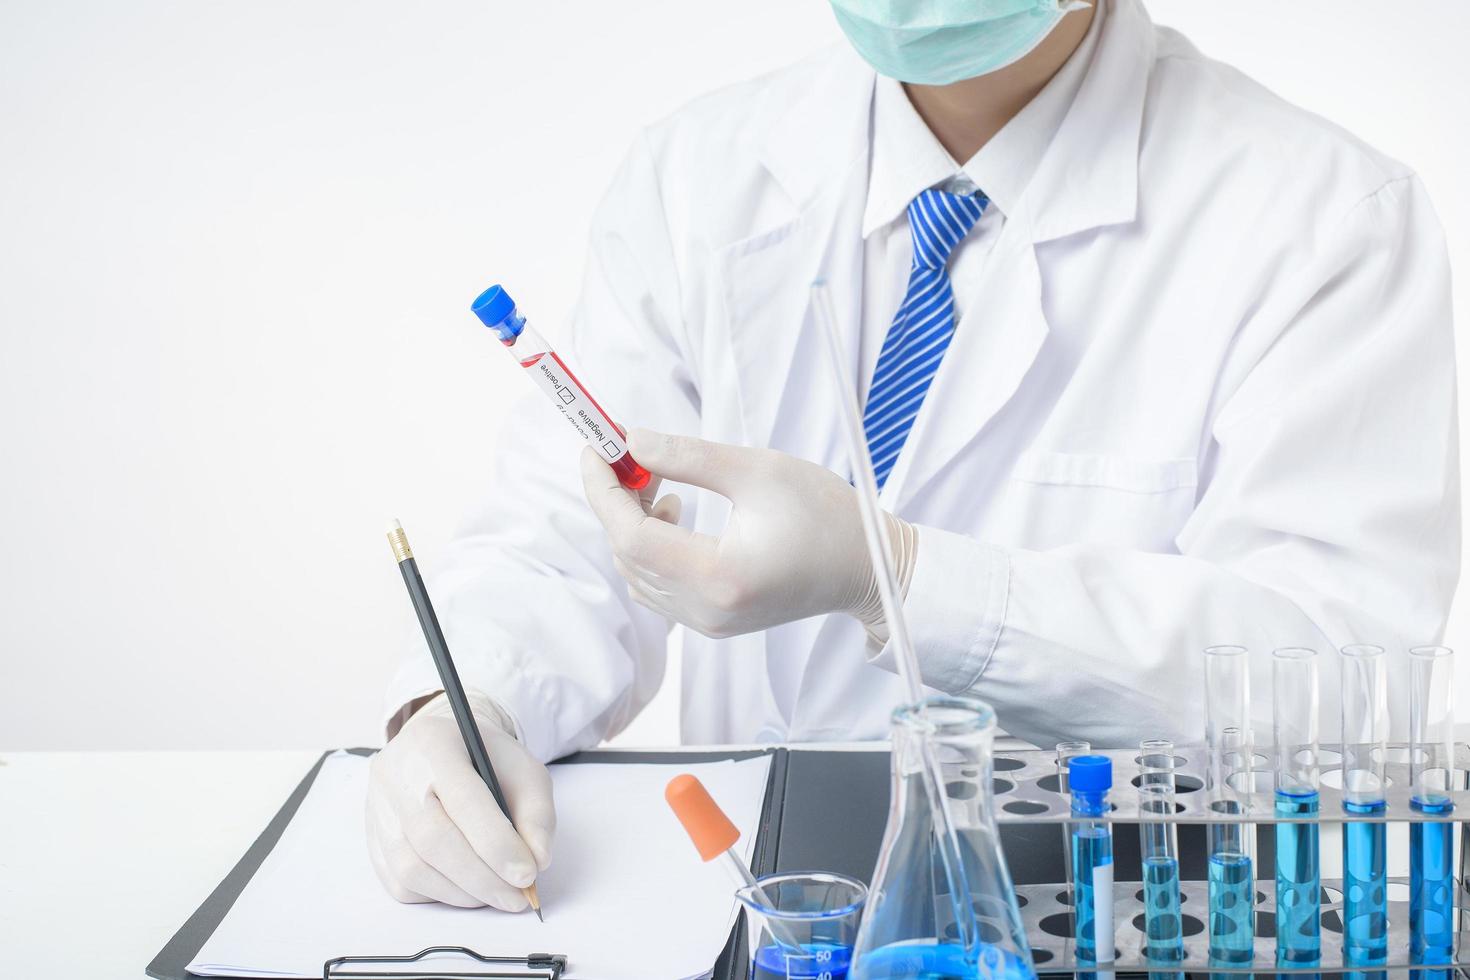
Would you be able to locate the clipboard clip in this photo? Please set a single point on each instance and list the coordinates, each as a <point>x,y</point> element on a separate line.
<point>532,966</point>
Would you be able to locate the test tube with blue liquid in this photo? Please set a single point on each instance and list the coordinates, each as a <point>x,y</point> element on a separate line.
<point>1159,848</point>
<point>1230,780</point>
<point>1298,858</point>
<point>1089,778</point>
<point>1066,752</point>
<point>1432,778</point>
<point>1364,843</point>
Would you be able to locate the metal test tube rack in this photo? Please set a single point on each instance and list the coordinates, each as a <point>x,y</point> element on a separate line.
<point>1027,791</point>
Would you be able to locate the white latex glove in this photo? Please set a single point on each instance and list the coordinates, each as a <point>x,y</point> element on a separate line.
<point>793,546</point>
<point>435,834</point>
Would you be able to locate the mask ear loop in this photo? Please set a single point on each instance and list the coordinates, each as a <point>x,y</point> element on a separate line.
<point>1062,7</point>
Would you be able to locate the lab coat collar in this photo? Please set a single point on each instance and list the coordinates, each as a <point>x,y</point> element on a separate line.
<point>816,150</point>
<point>907,158</point>
<point>1088,178</point>
<point>819,135</point>
<point>1004,167</point>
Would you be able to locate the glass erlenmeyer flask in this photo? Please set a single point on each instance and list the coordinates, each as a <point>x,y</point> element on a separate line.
<point>941,905</point>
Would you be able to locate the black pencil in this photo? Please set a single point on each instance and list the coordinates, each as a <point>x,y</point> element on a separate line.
<point>449,677</point>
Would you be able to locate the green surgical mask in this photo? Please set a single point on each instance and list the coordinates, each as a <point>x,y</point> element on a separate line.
<point>935,42</point>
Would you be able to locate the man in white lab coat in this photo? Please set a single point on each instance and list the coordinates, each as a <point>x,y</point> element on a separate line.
<point>1196,387</point>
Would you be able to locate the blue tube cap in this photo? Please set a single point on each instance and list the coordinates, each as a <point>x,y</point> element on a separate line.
<point>493,306</point>
<point>1090,773</point>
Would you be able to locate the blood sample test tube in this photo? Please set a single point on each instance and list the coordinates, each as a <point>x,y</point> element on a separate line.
<point>550,373</point>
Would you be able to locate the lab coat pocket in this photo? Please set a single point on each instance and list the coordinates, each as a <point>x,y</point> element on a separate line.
<point>1056,499</point>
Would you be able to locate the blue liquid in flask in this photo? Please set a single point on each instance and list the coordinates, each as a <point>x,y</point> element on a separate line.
<point>941,904</point>
<point>814,961</point>
<point>1232,908</point>
<point>942,961</point>
<point>1298,882</point>
<point>1365,890</point>
<point>1431,890</point>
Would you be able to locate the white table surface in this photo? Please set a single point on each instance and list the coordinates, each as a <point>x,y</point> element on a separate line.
<point>103,855</point>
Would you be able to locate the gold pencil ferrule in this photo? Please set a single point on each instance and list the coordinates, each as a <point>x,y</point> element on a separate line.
<point>401,551</point>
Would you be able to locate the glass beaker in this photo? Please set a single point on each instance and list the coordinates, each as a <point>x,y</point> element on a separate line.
<point>802,925</point>
<point>941,906</point>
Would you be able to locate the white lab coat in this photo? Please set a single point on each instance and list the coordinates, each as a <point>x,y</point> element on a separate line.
<point>1221,409</point>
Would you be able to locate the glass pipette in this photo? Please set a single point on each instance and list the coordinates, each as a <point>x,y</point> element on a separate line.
<point>875,530</point>
<point>714,836</point>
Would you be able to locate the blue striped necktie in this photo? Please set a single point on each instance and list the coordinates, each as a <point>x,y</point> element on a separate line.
<point>922,327</point>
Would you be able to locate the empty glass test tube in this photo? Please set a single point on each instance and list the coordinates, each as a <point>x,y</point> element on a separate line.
<point>1432,779</point>
<point>1298,857</point>
<point>1156,762</point>
<point>1229,782</point>
<point>1364,844</point>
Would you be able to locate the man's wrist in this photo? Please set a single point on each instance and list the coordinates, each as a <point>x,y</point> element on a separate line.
<point>956,607</point>
<point>487,710</point>
<point>903,544</point>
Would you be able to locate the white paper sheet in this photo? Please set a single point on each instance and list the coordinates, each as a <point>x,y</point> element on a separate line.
<point>626,897</point>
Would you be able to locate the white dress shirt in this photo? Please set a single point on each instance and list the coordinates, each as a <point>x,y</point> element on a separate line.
<point>907,159</point>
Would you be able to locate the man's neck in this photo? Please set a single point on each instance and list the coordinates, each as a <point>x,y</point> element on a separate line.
<point>964,115</point>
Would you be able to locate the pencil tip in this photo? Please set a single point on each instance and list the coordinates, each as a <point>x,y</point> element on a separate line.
<point>533,899</point>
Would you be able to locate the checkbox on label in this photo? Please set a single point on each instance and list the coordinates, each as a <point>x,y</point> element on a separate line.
<point>611,449</point>
<point>566,395</point>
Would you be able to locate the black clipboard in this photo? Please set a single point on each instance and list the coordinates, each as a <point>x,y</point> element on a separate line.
<point>172,960</point>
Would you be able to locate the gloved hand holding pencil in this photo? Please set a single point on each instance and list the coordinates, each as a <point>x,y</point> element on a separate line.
<point>435,833</point>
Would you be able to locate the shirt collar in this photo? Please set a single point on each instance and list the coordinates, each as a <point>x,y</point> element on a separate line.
<point>907,158</point>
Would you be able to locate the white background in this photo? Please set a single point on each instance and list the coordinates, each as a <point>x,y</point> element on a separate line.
<point>237,246</point>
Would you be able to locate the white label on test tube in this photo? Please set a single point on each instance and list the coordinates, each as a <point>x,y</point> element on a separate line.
<point>552,377</point>
<point>1102,908</point>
